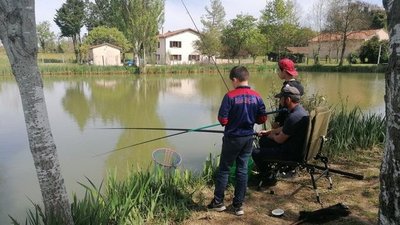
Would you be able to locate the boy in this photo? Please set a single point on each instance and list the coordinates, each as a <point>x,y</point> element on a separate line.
<point>239,110</point>
<point>288,73</point>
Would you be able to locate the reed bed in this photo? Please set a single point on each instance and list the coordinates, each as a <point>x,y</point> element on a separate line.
<point>353,129</point>
<point>153,196</point>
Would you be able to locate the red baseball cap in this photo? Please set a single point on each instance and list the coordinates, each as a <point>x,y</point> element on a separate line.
<point>288,66</point>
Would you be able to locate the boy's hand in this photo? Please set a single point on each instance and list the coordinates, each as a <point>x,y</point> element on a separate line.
<point>263,133</point>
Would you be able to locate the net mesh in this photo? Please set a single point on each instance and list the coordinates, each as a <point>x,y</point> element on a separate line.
<point>166,157</point>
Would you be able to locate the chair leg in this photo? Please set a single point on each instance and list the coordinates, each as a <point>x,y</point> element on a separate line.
<point>311,172</point>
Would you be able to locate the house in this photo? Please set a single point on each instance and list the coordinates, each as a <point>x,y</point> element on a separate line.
<point>105,55</point>
<point>329,45</point>
<point>177,47</point>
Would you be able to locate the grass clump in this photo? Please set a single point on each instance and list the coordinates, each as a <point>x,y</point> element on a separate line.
<point>151,196</point>
<point>353,129</point>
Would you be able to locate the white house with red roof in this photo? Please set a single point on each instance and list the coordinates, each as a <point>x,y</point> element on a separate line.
<point>177,47</point>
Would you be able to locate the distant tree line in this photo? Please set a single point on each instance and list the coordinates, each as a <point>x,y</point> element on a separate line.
<point>136,24</point>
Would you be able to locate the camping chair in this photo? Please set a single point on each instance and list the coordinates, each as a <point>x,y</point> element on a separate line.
<point>315,137</point>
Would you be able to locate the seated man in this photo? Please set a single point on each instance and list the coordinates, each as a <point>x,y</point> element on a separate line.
<point>283,143</point>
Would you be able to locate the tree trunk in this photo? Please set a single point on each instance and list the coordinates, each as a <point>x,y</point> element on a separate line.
<point>343,49</point>
<point>18,34</point>
<point>389,200</point>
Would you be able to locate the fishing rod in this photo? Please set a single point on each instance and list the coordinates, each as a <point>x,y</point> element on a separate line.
<point>212,58</point>
<point>159,138</point>
<point>179,129</point>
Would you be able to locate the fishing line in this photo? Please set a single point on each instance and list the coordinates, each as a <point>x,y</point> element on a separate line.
<point>159,138</point>
<point>213,60</point>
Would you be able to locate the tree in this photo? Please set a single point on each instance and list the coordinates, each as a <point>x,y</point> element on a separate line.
<point>45,36</point>
<point>215,17</point>
<point>345,16</point>
<point>389,204</point>
<point>369,51</point>
<point>17,32</point>
<point>70,19</point>
<point>236,34</point>
<point>279,24</point>
<point>318,17</point>
<point>213,23</point>
<point>142,20</point>
<point>257,44</point>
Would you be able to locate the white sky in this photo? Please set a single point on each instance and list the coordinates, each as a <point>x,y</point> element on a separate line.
<point>176,16</point>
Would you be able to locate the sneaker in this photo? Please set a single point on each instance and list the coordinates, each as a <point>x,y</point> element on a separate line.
<point>219,207</point>
<point>238,210</point>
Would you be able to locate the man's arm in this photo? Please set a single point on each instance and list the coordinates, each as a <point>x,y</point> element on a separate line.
<point>278,136</point>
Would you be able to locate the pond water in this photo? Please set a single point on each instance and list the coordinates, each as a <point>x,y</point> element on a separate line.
<point>79,106</point>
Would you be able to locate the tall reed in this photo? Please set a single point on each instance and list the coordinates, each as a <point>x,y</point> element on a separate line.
<point>152,196</point>
<point>353,129</point>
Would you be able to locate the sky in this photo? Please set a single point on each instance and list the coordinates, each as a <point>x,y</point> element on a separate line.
<point>176,16</point>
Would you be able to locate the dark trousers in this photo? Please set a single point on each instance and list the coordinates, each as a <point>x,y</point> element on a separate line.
<point>269,150</point>
<point>234,149</point>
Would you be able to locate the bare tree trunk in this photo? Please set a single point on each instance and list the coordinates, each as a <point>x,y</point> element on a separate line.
<point>389,200</point>
<point>18,34</point>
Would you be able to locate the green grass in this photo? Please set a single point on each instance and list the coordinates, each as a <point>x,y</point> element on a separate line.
<point>353,129</point>
<point>152,196</point>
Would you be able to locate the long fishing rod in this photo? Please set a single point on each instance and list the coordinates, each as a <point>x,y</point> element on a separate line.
<point>160,128</point>
<point>179,129</point>
<point>159,138</point>
<point>212,58</point>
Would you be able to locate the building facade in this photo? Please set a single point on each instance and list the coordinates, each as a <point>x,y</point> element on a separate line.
<point>329,45</point>
<point>177,47</point>
<point>105,55</point>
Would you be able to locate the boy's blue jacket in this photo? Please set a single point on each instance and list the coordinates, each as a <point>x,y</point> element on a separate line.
<point>240,109</point>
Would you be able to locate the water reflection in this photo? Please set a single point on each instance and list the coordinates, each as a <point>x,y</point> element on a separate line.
<point>79,105</point>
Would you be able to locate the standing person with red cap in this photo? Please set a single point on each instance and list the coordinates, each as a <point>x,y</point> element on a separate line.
<point>288,73</point>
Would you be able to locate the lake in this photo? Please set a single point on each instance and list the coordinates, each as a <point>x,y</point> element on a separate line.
<point>79,106</point>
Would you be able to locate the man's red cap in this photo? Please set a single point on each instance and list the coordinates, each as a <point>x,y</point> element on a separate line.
<point>288,66</point>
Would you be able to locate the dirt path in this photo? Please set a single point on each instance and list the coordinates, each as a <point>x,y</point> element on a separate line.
<point>361,196</point>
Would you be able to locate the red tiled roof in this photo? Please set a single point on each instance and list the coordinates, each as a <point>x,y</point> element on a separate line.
<point>298,50</point>
<point>354,35</point>
<point>172,33</point>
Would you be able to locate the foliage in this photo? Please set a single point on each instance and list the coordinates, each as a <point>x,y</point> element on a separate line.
<point>213,23</point>
<point>345,16</point>
<point>153,196</point>
<point>215,17</point>
<point>102,34</point>
<point>45,36</point>
<point>209,44</point>
<point>369,51</point>
<point>352,58</point>
<point>279,24</point>
<point>352,129</point>
<point>70,18</point>
<point>257,44</point>
<point>236,35</point>
<point>140,24</point>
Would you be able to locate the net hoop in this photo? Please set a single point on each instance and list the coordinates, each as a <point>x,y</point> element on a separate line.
<point>166,157</point>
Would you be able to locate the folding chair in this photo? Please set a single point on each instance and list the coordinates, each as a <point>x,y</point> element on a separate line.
<point>315,138</point>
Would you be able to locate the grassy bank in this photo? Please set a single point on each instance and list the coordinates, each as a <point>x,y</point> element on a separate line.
<point>155,196</point>
<point>62,64</point>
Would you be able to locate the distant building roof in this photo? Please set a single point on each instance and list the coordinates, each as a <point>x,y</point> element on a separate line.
<point>298,50</point>
<point>354,35</point>
<point>108,44</point>
<point>176,32</point>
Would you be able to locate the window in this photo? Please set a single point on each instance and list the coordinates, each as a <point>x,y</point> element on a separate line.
<point>175,44</point>
<point>158,44</point>
<point>176,57</point>
<point>194,57</point>
<point>158,58</point>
